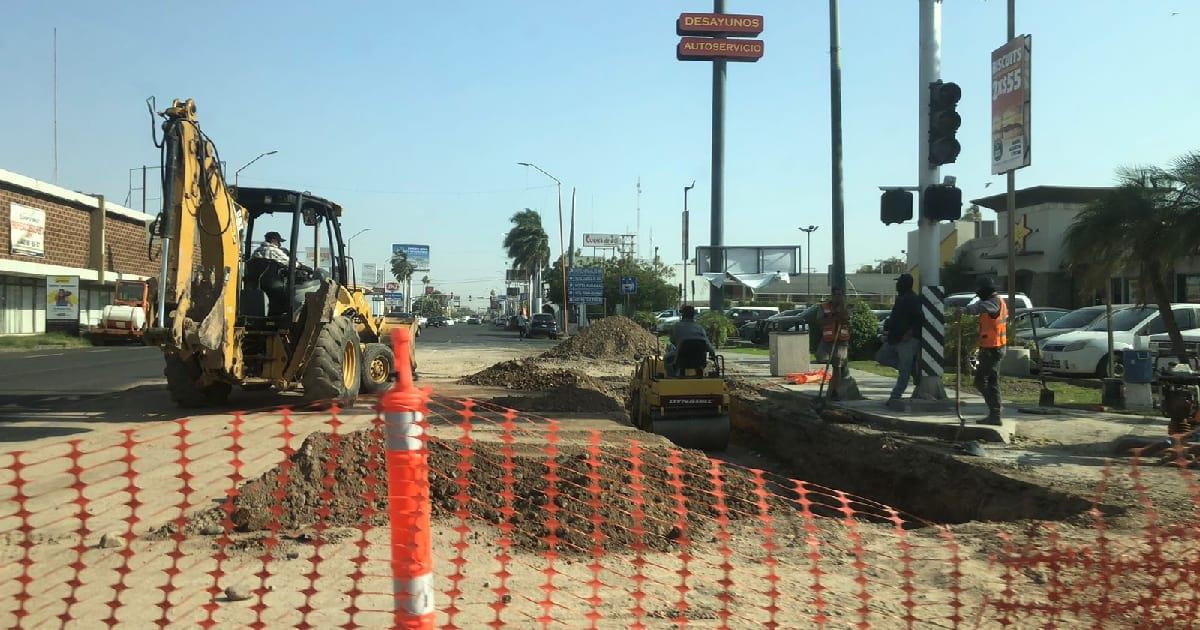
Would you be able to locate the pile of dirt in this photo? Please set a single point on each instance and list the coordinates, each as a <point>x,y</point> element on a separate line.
<point>569,398</point>
<point>612,338</point>
<point>320,480</point>
<point>529,375</point>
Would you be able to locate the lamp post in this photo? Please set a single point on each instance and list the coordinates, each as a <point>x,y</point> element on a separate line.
<point>239,171</point>
<point>563,261</point>
<point>686,220</point>
<point>808,247</point>
<point>351,240</point>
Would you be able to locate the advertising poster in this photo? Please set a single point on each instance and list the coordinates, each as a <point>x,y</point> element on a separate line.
<point>1011,105</point>
<point>418,255</point>
<point>62,298</point>
<point>27,230</point>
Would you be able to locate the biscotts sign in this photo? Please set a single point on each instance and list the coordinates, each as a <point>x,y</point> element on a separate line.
<point>1010,105</point>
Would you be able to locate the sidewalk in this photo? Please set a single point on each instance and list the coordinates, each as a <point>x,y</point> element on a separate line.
<point>1078,431</point>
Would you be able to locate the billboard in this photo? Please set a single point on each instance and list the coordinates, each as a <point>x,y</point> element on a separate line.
<point>602,240</point>
<point>1010,105</point>
<point>717,24</point>
<point>371,273</point>
<point>718,49</point>
<point>326,256</point>
<point>62,298</point>
<point>26,230</point>
<point>418,255</point>
<point>750,260</point>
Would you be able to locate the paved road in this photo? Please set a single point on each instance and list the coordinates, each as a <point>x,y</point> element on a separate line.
<point>77,372</point>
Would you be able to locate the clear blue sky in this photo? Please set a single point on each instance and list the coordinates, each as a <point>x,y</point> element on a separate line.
<point>413,115</point>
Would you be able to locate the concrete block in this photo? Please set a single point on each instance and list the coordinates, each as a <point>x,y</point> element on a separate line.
<point>789,353</point>
<point>1138,397</point>
<point>1015,362</point>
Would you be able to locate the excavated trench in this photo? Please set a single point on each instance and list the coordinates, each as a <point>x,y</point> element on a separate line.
<point>917,479</point>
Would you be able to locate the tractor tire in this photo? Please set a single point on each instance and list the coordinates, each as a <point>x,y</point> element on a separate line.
<point>334,374</point>
<point>378,366</point>
<point>183,380</point>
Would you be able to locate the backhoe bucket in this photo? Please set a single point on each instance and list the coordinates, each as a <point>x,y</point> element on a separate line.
<point>706,433</point>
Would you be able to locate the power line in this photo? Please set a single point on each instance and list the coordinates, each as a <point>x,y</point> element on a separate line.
<point>311,186</point>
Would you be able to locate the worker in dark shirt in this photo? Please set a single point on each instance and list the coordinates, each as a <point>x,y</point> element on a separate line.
<point>686,329</point>
<point>904,334</point>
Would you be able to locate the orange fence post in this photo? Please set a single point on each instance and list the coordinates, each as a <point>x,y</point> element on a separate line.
<point>408,494</point>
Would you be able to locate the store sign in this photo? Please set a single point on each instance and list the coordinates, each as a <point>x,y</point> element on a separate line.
<point>62,298</point>
<point>27,230</point>
<point>1011,105</point>
<point>602,240</point>
<point>418,255</point>
<point>717,24</point>
<point>585,285</point>
<point>718,49</point>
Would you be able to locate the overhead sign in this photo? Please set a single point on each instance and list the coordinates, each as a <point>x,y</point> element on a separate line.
<point>393,300</point>
<point>719,24</point>
<point>718,49</point>
<point>603,240</point>
<point>512,291</point>
<point>62,298</point>
<point>628,285</point>
<point>26,230</point>
<point>585,285</point>
<point>418,255</point>
<point>1010,105</point>
<point>515,275</point>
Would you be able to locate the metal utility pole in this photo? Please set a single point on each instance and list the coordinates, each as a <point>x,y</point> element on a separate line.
<point>535,298</point>
<point>686,223</point>
<point>716,295</point>
<point>930,385</point>
<point>637,230</point>
<point>835,124</point>
<point>247,165</point>
<point>1011,201</point>
<point>808,249</point>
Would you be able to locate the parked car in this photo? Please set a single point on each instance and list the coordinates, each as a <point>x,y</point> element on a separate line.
<point>500,321</point>
<point>758,332</point>
<point>959,300</point>
<point>665,322</point>
<point>742,314</point>
<point>1077,319</point>
<point>542,324</point>
<point>422,321</point>
<point>437,321</point>
<point>1086,351</point>
<point>474,321</point>
<point>1164,353</point>
<point>788,313</point>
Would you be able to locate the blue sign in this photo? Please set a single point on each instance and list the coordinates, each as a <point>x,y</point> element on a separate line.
<point>585,285</point>
<point>418,255</point>
<point>628,285</point>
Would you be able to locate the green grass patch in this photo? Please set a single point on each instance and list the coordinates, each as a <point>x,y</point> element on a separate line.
<point>45,340</point>
<point>752,350</point>
<point>1017,391</point>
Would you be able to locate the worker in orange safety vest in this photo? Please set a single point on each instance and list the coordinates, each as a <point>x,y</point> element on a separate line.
<point>993,337</point>
<point>834,321</point>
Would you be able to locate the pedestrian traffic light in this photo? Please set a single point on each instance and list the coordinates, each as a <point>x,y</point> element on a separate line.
<point>895,206</point>
<point>944,122</point>
<point>942,202</point>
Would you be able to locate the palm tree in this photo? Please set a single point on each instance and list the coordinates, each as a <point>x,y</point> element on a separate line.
<point>1143,225</point>
<point>403,270</point>
<point>529,247</point>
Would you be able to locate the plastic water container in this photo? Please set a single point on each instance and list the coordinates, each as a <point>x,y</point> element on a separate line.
<point>1139,368</point>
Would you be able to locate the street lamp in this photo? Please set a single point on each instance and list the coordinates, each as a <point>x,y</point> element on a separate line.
<point>808,246</point>
<point>354,236</point>
<point>686,221</point>
<point>563,260</point>
<point>239,171</point>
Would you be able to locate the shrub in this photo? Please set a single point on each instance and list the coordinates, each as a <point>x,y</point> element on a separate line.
<point>645,319</point>
<point>969,328</point>
<point>717,326</point>
<point>864,331</point>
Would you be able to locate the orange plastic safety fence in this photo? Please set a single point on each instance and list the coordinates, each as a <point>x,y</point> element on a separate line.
<point>280,519</point>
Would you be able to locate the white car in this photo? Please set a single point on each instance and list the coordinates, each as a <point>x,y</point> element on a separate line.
<point>959,300</point>
<point>422,321</point>
<point>666,319</point>
<point>450,321</point>
<point>1086,351</point>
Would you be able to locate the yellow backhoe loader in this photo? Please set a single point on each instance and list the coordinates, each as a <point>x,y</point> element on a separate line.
<point>229,316</point>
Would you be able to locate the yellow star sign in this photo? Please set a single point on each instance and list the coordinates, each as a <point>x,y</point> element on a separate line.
<point>1021,232</point>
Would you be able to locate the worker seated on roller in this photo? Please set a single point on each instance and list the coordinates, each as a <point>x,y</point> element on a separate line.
<point>686,335</point>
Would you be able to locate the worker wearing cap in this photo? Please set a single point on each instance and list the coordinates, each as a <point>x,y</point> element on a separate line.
<point>834,320</point>
<point>272,248</point>
<point>993,337</point>
<point>686,329</point>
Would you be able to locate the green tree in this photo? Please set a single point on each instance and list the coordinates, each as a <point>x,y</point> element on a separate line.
<point>1143,225</point>
<point>865,269</point>
<point>428,306</point>
<point>717,326</point>
<point>527,244</point>
<point>864,331</point>
<point>402,269</point>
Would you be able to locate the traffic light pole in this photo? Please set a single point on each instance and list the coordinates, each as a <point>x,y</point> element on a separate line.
<point>930,69</point>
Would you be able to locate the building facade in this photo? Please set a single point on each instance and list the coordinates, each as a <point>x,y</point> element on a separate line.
<point>46,231</point>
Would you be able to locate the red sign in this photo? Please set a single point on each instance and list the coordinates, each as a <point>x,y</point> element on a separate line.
<point>718,49</point>
<point>719,24</point>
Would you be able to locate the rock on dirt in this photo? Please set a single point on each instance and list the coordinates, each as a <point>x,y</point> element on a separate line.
<point>613,338</point>
<point>598,499</point>
<point>237,593</point>
<point>529,375</point>
<point>111,540</point>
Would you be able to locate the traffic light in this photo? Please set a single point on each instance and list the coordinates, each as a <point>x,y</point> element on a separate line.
<point>942,202</point>
<point>895,206</point>
<point>944,122</point>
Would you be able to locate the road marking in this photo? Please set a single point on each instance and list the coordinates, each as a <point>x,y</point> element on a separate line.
<point>38,356</point>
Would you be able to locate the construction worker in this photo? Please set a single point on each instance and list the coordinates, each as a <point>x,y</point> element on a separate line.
<point>272,248</point>
<point>834,321</point>
<point>993,337</point>
<point>686,329</point>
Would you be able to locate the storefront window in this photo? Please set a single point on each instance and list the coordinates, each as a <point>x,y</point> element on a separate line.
<point>1187,288</point>
<point>22,305</point>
